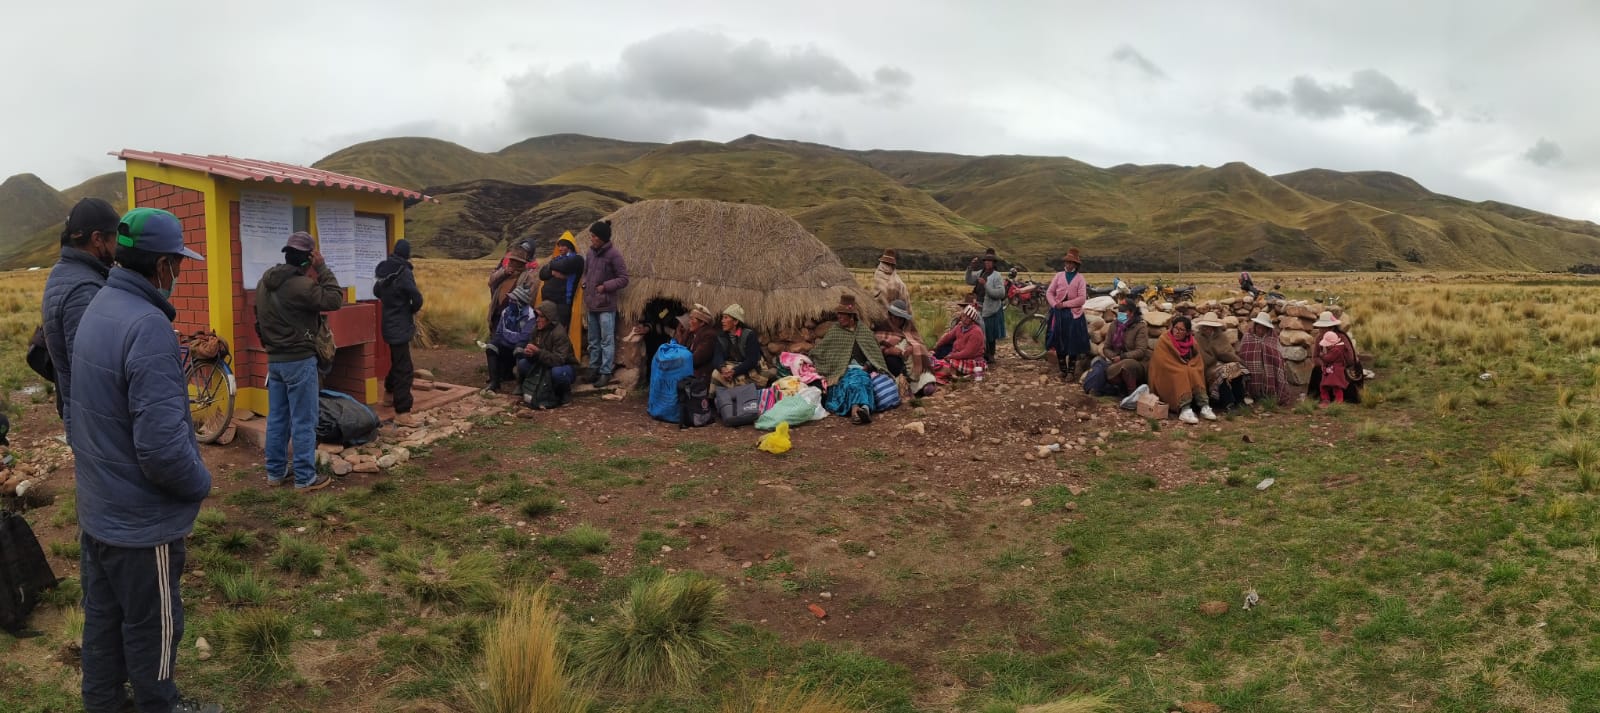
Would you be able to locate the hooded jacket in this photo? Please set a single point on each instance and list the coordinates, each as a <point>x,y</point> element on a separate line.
<point>555,348</point>
<point>288,304</point>
<point>607,274</point>
<point>140,479</point>
<point>396,288</point>
<point>560,291</point>
<point>74,281</point>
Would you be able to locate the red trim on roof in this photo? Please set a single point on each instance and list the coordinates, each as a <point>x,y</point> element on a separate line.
<point>245,169</point>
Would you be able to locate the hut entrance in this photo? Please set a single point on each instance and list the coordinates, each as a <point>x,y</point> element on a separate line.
<point>655,327</point>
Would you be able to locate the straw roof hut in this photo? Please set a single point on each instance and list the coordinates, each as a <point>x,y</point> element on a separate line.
<point>717,254</point>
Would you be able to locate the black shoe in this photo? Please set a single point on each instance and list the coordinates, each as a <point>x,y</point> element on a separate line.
<point>601,381</point>
<point>188,706</point>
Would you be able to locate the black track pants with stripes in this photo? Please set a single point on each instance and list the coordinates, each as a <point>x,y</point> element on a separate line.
<point>132,623</point>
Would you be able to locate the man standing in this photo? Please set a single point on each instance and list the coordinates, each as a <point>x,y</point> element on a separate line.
<point>886,283</point>
<point>140,479</point>
<point>561,276</point>
<point>289,300</point>
<point>88,247</point>
<point>989,287</point>
<point>396,288</point>
<point>606,275</point>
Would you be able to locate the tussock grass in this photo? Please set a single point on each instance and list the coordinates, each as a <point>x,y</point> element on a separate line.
<point>541,505</point>
<point>663,635</point>
<point>298,556</point>
<point>1512,464</point>
<point>582,539</point>
<point>1578,451</point>
<point>524,670</point>
<point>323,506</point>
<point>236,541</point>
<point>466,581</point>
<point>769,699</point>
<point>1562,508</point>
<point>259,639</point>
<point>1374,432</point>
<point>240,588</point>
<point>1087,703</point>
<point>1573,419</point>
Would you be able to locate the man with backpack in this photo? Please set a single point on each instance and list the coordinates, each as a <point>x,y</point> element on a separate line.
<point>290,299</point>
<point>140,479</point>
<point>88,248</point>
<point>396,289</point>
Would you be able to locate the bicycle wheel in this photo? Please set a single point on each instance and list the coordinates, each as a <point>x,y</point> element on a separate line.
<point>1028,338</point>
<point>211,392</point>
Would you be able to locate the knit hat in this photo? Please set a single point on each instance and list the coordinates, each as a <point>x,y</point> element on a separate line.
<point>699,310</point>
<point>521,295</point>
<point>971,312</point>
<point>847,305</point>
<point>734,311</point>
<point>900,309</point>
<point>888,257</point>
<point>90,215</point>
<point>402,248</point>
<point>154,231</point>
<point>1326,319</point>
<point>1264,320</point>
<point>301,241</point>
<point>601,229</point>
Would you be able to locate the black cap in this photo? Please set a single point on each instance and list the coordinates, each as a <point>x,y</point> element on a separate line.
<point>91,214</point>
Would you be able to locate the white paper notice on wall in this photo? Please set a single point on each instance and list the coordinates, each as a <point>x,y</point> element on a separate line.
<point>371,247</point>
<point>265,222</point>
<point>336,238</point>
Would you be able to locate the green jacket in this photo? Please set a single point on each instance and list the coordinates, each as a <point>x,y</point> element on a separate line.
<point>288,304</point>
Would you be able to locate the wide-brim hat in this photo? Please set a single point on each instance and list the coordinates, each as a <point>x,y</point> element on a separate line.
<point>1262,319</point>
<point>1209,319</point>
<point>988,254</point>
<point>847,305</point>
<point>888,257</point>
<point>900,309</point>
<point>1326,319</point>
<point>1072,257</point>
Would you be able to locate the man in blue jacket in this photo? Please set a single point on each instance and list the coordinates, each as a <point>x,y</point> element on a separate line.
<point>88,247</point>
<point>139,474</point>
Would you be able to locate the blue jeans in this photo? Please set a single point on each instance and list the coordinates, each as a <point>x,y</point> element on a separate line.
<point>292,412</point>
<point>602,341</point>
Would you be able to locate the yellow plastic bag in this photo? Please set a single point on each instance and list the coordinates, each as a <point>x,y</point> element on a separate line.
<point>777,441</point>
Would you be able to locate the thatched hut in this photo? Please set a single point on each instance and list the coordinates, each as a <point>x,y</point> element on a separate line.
<point>717,254</point>
<point>687,251</point>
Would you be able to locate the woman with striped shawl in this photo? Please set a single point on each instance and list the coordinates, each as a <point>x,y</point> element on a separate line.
<point>1260,354</point>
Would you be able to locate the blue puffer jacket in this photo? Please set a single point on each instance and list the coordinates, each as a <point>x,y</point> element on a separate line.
<point>75,280</point>
<point>140,477</point>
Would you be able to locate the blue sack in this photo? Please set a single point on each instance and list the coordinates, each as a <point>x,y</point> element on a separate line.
<point>1094,380</point>
<point>672,363</point>
<point>885,392</point>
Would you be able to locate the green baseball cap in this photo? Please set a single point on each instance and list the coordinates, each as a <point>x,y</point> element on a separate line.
<point>154,230</point>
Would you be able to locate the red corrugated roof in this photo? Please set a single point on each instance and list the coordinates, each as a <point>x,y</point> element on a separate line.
<point>245,169</point>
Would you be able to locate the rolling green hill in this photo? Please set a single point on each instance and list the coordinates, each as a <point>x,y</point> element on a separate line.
<point>32,215</point>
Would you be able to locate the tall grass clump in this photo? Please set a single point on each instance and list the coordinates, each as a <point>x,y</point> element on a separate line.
<point>1086,703</point>
<point>298,556</point>
<point>523,670</point>
<point>240,587</point>
<point>1512,464</point>
<point>663,635</point>
<point>259,639</point>
<point>468,581</point>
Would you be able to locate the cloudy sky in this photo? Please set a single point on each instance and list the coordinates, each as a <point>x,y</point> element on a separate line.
<point>1480,99</point>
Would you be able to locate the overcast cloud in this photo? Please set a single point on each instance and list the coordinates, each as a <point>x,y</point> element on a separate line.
<point>1479,99</point>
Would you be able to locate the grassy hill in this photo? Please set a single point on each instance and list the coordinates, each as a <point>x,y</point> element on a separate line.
<point>32,215</point>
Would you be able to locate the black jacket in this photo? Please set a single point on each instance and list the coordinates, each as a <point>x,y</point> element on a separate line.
<point>744,351</point>
<point>74,281</point>
<point>396,287</point>
<point>288,304</point>
<point>561,291</point>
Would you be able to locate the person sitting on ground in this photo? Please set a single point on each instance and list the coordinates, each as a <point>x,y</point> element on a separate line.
<point>1332,354</point>
<point>886,283</point>
<point>505,278</point>
<point>1127,348</point>
<point>903,349</point>
<point>561,277</point>
<point>1178,372</point>
<point>738,353</point>
<point>843,357</point>
<point>700,338</point>
<point>1262,356</point>
<point>1224,374</point>
<point>965,342</point>
<point>546,366</point>
<point>514,329</point>
<point>1248,285</point>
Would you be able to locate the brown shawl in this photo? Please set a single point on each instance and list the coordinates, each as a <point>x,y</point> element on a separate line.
<point>888,287</point>
<point>1172,378</point>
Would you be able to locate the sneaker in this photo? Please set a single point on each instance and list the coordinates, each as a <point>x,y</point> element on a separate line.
<point>1132,401</point>
<point>866,415</point>
<point>280,481</point>
<point>601,381</point>
<point>1207,414</point>
<point>321,481</point>
<point>188,706</point>
<point>1188,417</point>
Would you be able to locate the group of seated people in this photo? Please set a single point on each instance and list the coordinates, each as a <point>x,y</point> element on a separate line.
<point>1195,369</point>
<point>531,348</point>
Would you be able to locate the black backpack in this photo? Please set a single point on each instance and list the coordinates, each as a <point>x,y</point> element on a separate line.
<point>24,572</point>
<point>695,408</point>
<point>39,356</point>
<point>343,420</point>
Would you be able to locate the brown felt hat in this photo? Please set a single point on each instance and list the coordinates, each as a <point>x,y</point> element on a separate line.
<point>1072,257</point>
<point>888,256</point>
<point>847,305</point>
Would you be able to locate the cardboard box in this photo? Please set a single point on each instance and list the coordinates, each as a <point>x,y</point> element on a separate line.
<point>1151,406</point>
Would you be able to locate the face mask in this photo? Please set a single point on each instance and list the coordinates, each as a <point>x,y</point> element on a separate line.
<point>166,292</point>
<point>1122,317</point>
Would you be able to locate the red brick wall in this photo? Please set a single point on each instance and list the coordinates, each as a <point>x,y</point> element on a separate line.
<point>189,296</point>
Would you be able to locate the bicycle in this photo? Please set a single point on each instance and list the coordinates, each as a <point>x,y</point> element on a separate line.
<point>212,389</point>
<point>1031,336</point>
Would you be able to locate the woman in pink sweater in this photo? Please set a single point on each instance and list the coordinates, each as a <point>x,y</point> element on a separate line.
<point>1069,333</point>
<point>966,343</point>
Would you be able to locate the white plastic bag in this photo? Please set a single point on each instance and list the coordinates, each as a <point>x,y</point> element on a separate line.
<point>813,396</point>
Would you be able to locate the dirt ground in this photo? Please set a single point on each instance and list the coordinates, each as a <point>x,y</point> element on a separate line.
<point>883,528</point>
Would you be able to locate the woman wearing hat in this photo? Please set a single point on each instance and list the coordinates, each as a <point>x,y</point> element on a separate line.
<point>1224,374</point>
<point>1178,372</point>
<point>966,344</point>
<point>886,283</point>
<point>989,287</point>
<point>1127,347</point>
<point>1333,353</point>
<point>1261,355</point>
<point>842,357</point>
<point>511,331</point>
<point>1069,332</point>
<point>903,349</point>
<point>506,277</point>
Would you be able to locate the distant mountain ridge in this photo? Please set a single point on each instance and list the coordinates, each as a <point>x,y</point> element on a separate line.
<point>936,209</point>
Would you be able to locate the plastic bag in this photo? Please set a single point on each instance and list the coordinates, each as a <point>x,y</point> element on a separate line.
<point>793,410</point>
<point>813,396</point>
<point>778,441</point>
